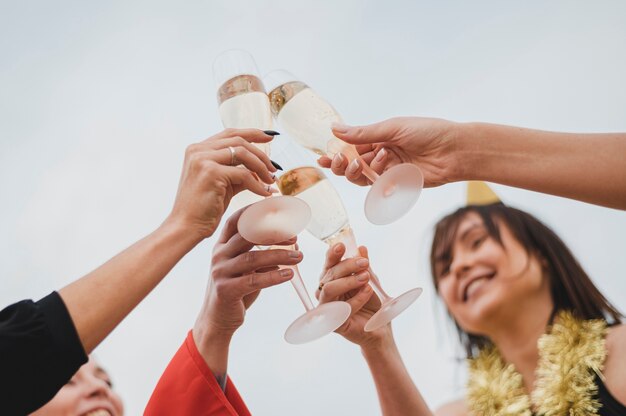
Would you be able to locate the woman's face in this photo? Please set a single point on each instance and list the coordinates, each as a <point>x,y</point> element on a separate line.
<point>88,393</point>
<point>486,283</point>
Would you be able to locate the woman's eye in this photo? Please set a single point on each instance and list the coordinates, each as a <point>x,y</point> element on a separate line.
<point>109,382</point>
<point>477,241</point>
<point>445,271</point>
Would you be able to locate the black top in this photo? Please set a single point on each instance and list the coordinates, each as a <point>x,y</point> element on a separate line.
<point>39,352</point>
<point>610,405</point>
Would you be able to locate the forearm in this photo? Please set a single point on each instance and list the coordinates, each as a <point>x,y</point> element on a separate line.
<point>100,300</point>
<point>587,167</point>
<point>397,393</point>
<point>213,347</point>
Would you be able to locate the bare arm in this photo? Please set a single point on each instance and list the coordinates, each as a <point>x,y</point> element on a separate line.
<point>397,393</point>
<point>99,301</point>
<point>346,280</point>
<point>586,167</point>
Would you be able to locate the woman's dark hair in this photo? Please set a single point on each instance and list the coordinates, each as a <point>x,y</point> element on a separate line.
<point>570,286</point>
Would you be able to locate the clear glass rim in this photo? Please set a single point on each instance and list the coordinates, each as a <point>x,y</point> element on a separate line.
<point>231,63</point>
<point>276,78</point>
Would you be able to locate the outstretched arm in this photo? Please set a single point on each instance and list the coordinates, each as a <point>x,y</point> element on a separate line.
<point>100,300</point>
<point>586,167</point>
<point>397,393</point>
<point>347,280</point>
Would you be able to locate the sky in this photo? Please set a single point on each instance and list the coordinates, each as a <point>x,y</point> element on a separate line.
<point>98,101</point>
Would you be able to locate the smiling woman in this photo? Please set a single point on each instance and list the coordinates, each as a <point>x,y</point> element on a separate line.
<point>539,336</point>
<point>528,316</point>
<point>523,265</point>
<point>89,393</point>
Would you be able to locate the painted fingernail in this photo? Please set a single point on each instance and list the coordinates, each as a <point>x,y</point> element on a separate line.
<point>362,277</point>
<point>354,166</point>
<point>340,128</point>
<point>271,133</point>
<point>381,155</point>
<point>362,262</point>
<point>271,190</point>
<point>338,159</point>
<point>285,272</point>
<point>294,254</point>
<point>276,165</point>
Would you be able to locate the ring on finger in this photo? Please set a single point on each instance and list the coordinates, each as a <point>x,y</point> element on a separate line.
<point>321,286</point>
<point>233,156</point>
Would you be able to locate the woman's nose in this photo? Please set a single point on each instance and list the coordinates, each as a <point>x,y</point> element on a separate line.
<point>97,387</point>
<point>461,264</point>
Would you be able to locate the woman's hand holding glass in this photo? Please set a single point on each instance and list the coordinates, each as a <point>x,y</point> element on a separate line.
<point>424,142</point>
<point>347,280</point>
<point>211,177</point>
<point>237,276</point>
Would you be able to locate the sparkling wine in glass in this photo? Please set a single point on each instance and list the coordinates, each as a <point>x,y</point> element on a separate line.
<point>329,223</point>
<point>307,117</point>
<point>243,103</point>
<point>318,320</point>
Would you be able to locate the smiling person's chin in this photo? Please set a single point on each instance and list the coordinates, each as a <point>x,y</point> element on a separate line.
<point>481,310</point>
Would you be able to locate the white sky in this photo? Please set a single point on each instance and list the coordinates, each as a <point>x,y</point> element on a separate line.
<point>99,99</point>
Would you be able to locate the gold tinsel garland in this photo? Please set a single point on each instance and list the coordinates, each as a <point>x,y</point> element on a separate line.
<point>570,356</point>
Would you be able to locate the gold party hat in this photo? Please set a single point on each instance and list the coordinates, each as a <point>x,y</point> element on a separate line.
<point>478,193</point>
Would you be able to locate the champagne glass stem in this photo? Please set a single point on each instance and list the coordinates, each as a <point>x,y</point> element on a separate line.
<point>298,284</point>
<point>368,171</point>
<point>297,281</point>
<point>346,236</point>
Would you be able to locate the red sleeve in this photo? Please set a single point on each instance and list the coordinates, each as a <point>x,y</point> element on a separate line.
<point>188,387</point>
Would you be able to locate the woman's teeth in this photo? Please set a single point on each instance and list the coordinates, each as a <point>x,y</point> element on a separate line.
<point>474,286</point>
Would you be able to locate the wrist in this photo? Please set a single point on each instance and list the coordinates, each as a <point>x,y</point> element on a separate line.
<point>466,152</point>
<point>374,347</point>
<point>178,228</point>
<point>213,346</point>
<point>208,337</point>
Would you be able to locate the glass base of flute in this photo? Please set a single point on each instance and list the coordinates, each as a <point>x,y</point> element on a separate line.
<point>317,321</point>
<point>273,220</point>
<point>390,307</point>
<point>392,194</point>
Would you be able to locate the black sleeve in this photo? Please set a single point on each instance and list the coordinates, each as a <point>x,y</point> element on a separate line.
<point>39,352</point>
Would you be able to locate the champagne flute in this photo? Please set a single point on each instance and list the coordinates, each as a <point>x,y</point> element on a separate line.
<point>330,224</point>
<point>318,320</point>
<point>308,117</point>
<point>243,103</point>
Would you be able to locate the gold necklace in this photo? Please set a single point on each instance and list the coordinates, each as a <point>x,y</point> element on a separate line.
<point>570,355</point>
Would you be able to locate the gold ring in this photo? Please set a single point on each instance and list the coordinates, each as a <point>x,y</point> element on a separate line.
<point>321,286</point>
<point>233,156</point>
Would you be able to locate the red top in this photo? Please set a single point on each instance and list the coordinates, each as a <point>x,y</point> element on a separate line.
<point>188,387</point>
